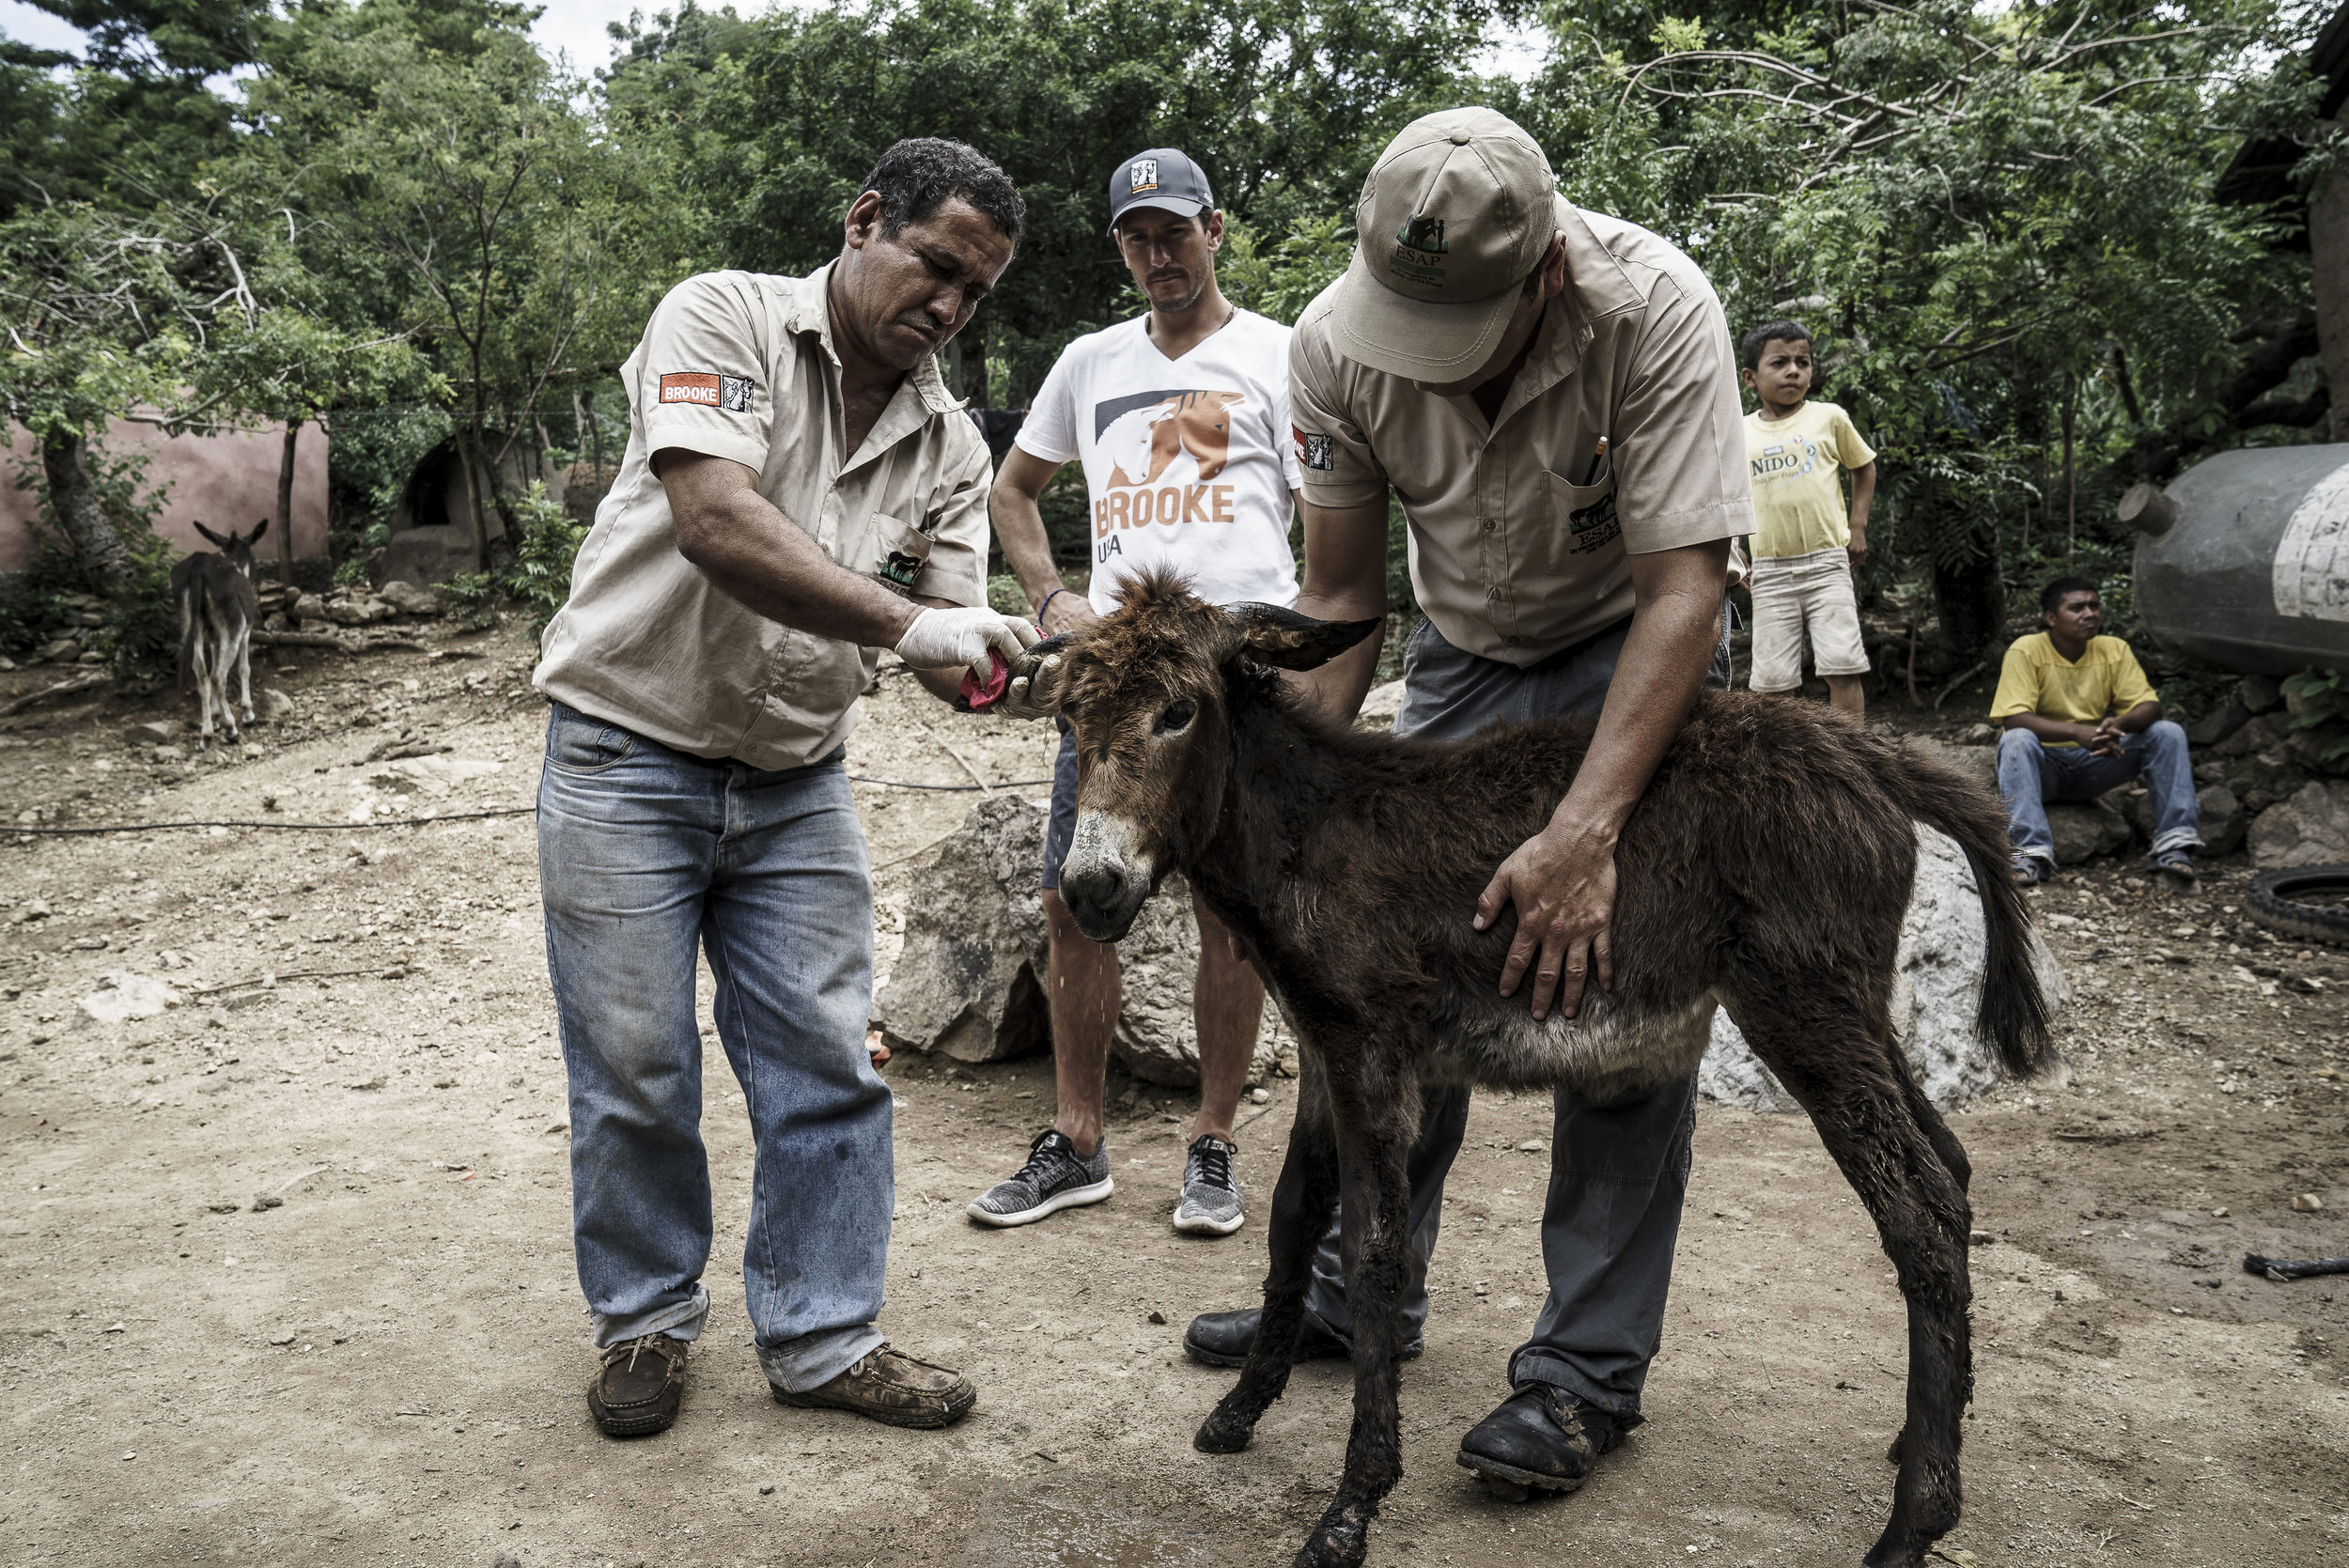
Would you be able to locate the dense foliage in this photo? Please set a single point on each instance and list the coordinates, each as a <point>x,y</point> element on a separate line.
<point>399,218</point>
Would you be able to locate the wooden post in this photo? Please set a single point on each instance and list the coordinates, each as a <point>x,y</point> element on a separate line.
<point>285,505</point>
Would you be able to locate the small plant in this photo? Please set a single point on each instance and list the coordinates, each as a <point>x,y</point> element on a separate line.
<point>2319,704</point>
<point>535,579</point>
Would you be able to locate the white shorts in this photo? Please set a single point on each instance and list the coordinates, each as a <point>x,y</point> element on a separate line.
<point>1796,597</point>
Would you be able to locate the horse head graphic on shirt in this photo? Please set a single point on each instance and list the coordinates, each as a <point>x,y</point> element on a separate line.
<point>1199,423</point>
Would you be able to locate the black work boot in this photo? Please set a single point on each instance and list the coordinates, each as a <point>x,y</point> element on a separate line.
<point>638,1386</point>
<point>1542,1438</point>
<point>1224,1340</point>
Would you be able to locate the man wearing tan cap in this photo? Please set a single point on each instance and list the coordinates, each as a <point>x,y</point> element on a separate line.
<point>1553,396</point>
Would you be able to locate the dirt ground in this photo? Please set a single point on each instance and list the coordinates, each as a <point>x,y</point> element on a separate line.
<point>290,1269</point>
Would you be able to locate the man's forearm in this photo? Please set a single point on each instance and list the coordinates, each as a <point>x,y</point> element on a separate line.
<point>1657,679</point>
<point>2050,731</point>
<point>745,545</point>
<point>1345,579</point>
<point>2144,716</point>
<point>1027,548</point>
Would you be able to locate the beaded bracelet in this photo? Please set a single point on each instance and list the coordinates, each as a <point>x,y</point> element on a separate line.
<point>1047,605</point>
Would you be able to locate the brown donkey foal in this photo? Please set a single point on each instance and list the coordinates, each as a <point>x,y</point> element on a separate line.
<point>1767,870</point>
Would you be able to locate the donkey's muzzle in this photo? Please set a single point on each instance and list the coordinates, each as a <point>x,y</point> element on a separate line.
<point>1102,882</point>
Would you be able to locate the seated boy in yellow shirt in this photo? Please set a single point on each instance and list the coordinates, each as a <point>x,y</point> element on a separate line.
<point>1804,547</point>
<point>2081,719</point>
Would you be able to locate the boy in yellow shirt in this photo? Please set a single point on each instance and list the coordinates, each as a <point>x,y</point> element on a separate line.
<point>2080,719</point>
<point>1804,547</point>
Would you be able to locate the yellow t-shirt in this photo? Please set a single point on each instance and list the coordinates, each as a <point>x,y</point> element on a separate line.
<point>1798,487</point>
<point>2035,680</point>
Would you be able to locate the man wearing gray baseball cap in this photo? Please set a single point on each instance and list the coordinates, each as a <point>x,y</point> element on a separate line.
<point>1553,396</point>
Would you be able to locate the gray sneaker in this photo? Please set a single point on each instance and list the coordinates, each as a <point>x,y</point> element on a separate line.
<point>1056,1177</point>
<point>1211,1202</point>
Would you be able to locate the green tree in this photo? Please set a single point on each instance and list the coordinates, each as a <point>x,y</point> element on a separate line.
<point>454,182</point>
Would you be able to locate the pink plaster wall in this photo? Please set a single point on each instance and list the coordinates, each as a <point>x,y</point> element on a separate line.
<point>225,482</point>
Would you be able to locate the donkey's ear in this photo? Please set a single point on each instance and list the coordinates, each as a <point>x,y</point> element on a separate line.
<point>255,537</point>
<point>1287,641</point>
<point>209,534</point>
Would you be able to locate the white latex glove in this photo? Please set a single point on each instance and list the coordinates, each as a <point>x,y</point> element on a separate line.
<point>939,638</point>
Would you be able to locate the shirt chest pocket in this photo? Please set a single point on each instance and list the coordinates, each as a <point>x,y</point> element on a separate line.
<point>901,553</point>
<point>1583,516</point>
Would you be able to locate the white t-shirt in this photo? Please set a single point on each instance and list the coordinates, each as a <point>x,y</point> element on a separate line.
<point>1188,462</point>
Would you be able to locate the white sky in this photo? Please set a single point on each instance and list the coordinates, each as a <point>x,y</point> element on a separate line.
<point>576,27</point>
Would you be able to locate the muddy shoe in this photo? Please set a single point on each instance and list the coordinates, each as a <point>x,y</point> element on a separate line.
<point>638,1386</point>
<point>1055,1177</point>
<point>1224,1340</point>
<point>1541,1439</point>
<point>891,1386</point>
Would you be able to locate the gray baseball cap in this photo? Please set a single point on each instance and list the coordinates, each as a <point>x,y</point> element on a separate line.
<point>1458,211</point>
<point>1162,177</point>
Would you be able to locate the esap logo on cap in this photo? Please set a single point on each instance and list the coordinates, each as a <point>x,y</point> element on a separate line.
<point>1418,251</point>
<point>1145,175</point>
<point>728,394</point>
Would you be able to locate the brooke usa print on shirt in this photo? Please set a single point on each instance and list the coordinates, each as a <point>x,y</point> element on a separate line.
<point>1188,462</point>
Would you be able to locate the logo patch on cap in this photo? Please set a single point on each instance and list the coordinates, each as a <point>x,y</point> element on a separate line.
<point>1145,175</point>
<point>1420,252</point>
<point>727,393</point>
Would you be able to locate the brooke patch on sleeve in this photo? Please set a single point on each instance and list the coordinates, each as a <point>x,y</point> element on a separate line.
<point>1314,451</point>
<point>726,393</point>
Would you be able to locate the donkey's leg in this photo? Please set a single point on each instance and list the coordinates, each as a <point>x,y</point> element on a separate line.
<point>1952,1154</point>
<point>201,657</point>
<point>1843,1077</point>
<point>224,664</point>
<point>1376,1113</point>
<point>244,670</point>
<point>1302,1200</point>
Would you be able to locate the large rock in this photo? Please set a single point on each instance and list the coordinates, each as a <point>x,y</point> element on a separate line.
<point>427,555</point>
<point>2086,828</point>
<point>122,996</point>
<point>2264,733</point>
<point>2217,724</point>
<point>969,981</point>
<point>409,599</point>
<point>2261,694</point>
<point>2222,818</point>
<point>2311,828</point>
<point>1158,962</point>
<point>1936,990</point>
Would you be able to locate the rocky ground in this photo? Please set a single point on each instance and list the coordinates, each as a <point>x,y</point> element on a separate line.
<point>290,1265</point>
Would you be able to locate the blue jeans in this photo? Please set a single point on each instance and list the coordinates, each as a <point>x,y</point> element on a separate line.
<point>2031,774</point>
<point>644,853</point>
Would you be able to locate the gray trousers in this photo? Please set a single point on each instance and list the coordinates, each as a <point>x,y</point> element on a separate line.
<point>1618,1174</point>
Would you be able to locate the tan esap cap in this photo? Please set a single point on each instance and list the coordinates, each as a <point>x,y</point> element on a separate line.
<point>1455,215</point>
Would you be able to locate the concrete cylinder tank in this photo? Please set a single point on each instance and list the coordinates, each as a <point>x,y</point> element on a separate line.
<point>2243,562</point>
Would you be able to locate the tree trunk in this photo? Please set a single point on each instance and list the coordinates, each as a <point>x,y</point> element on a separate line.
<point>473,507</point>
<point>285,505</point>
<point>2071,472</point>
<point>105,562</point>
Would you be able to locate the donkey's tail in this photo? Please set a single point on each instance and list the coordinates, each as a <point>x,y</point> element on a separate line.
<point>2013,1012</point>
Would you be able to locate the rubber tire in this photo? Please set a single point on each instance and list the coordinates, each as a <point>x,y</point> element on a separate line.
<point>2273,903</point>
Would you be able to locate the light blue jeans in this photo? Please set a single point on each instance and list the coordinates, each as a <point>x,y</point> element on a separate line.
<point>2031,774</point>
<point>644,854</point>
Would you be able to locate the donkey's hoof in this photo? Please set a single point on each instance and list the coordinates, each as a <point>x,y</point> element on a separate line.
<point>1340,1542</point>
<point>1222,1433</point>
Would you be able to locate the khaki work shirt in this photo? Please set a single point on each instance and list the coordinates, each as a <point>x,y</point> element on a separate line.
<point>740,365</point>
<point>1520,543</point>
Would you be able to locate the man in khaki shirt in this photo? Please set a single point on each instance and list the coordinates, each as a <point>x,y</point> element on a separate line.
<point>798,491</point>
<point>1553,397</point>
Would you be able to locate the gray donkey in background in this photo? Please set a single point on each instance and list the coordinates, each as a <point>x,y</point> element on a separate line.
<point>213,595</point>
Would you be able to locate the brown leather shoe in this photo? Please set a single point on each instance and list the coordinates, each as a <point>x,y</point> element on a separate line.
<point>890,1385</point>
<point>638,1386</point>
